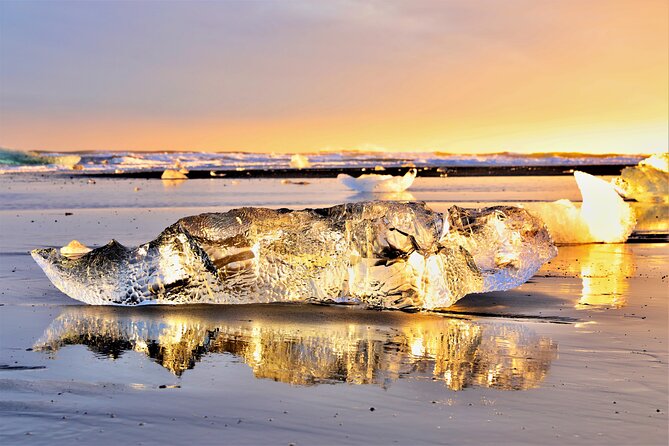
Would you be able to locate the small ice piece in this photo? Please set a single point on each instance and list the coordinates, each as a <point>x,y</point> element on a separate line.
<point>378,254</point>
<point>298,161</point>
<point>180,167</point>
<point>378,183</point>
<point>74,249</point>
<point>602,218</point>
<point>170,174</point>
<point>647,182</point>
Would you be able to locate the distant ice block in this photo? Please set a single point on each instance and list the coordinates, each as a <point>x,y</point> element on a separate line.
<point>171,174</point>
<point>378,254</point>
<point>647,182</point>
<point>603,216</point>
<point>378,183</point>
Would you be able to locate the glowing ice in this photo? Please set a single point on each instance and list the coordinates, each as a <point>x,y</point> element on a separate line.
<point>378,183</point>
<point>302,350</point>
<point>171,174</point>
<point>602,218</point>
<point>74,248</point>
<point>648,182</point>
<point>379,254</point>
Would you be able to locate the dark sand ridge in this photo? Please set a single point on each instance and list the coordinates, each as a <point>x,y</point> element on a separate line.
<point>316,172</point>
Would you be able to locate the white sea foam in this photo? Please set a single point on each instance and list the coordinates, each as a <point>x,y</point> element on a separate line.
<point>108,162</point>
<point>603,217</point>
<point>298,161</point>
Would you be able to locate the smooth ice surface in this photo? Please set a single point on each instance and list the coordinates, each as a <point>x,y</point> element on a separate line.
<point>603,217</point>
<point>378,183</point>
<point>378,254</point>
<point>648,182</point>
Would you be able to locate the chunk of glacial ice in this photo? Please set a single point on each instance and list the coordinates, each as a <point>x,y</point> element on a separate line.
<point>647,182</point>
<point>378,254</point>
<point>603,217</point>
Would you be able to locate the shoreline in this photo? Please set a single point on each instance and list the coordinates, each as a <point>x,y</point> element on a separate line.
<point>327,172</point>
<point>584,339</point>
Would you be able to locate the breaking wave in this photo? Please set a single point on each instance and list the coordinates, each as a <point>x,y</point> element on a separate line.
<point>110,162</point>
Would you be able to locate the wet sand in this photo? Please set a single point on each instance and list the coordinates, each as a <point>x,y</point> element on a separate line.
<point>578,355</point>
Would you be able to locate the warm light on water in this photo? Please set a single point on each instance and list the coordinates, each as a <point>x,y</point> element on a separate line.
<point>605,276</point>
<point>459,352</point>
<point>604,271</point>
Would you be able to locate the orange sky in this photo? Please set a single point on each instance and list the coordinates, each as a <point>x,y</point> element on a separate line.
<point>479,76</point>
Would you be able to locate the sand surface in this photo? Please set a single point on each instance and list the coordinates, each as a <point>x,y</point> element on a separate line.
<point>578,355</point>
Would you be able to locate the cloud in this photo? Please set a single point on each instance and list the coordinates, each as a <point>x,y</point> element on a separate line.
<point>432,72</point>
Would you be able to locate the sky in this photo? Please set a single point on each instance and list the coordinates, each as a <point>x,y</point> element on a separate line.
<point>469,76</point>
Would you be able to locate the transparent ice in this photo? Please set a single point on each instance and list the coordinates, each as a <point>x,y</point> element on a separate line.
<point>379,254</point>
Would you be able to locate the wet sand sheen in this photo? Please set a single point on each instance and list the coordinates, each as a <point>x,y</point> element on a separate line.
<point>578,355</point>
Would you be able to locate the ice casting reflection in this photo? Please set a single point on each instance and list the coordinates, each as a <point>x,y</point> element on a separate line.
<point>307,344</point>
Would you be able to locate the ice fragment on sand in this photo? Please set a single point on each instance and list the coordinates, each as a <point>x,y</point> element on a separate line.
<point>170,174</point>
<point>378,183</point>
<point>380,254</point>
<point>647,182</point>
<point>603,216</point>
<point>74,248</point>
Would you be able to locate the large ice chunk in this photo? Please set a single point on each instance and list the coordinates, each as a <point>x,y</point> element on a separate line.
<point>603,217</point>
<point>648,182</point>
<point>379,254</point>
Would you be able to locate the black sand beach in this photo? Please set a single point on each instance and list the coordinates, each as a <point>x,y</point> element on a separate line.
<point>577,355</point>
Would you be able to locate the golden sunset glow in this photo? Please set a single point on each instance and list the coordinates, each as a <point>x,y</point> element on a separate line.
<point>458,352</point>
<point>482,76</point>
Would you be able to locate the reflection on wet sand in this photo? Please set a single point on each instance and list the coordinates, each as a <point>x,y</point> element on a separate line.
<point>605,276</point>
<point>604,270</point>
<point>384,196</point>
<point>306,345</point>
<point>172,183</point>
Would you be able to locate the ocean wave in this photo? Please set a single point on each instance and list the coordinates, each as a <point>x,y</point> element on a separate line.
<point>24,159</point>
<point>12,161</point>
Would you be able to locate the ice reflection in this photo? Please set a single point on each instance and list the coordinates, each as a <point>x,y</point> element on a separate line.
<point>604,270</point>
<point>306,345</point>
<point>383,196</point>
<point>605,273</point>
<point>172,183</point>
